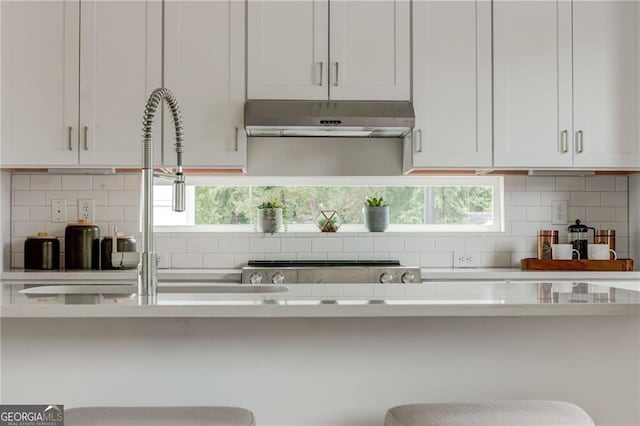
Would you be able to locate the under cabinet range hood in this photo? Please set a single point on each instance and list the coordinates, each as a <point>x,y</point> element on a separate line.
<point>364,119</point>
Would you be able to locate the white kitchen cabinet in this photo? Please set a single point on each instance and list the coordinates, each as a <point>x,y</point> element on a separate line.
<point>451,85</point>
<point>204,65</point>
<point>566,84</point>
<point>532,84</point>
<point>75,80</point>
<point>370,50</point>
<point>120,65</point>
<point>39,83</point>
<point>288,49</point>
<point>605,83</point>
<point>329,49</point>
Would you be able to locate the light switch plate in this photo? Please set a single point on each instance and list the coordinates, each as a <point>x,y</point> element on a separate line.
<point>559,212</point>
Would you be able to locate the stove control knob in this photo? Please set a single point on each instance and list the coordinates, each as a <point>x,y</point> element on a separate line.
<point>386,278</point>
<point>408,278</point>
<point>277,278</point>
<point>255,278</point>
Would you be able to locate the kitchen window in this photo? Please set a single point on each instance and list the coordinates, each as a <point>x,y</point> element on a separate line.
<point>427,204</point>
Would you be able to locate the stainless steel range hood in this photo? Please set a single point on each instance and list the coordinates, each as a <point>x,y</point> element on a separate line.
<point>364,119</point>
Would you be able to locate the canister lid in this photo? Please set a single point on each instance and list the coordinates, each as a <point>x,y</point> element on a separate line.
<point>547,232</point>
<point>42,236</point>
<point>606,232</point>
<point>81,222</point>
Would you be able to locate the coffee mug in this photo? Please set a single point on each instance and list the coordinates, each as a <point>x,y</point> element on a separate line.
<point>601,252</point>
<point>563,251</point>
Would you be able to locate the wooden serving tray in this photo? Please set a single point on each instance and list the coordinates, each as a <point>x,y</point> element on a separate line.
<point>532,264</point>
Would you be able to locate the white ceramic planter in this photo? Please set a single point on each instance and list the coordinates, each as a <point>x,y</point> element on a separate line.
<point>270,220</point>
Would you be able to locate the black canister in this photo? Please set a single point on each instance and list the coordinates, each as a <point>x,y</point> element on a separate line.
<point>42,253</point>
<point>124,244</point>
<point>81,246</point>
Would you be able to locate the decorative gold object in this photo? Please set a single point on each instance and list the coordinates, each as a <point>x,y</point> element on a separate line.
<point>328,220</point>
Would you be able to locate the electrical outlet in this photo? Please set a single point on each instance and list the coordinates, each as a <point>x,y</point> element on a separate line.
<point>466,260</point>
<point>559,212</point>
<point>58,210</point>
<point>86,210</point>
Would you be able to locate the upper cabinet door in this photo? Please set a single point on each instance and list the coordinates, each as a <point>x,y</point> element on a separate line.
<point>532,83</point>
<point>120,65</point>
<point>370,55</point>
<point>452,84</point>
<point>40,83</point>
<point>205,68</point>
<point>287,49</point>
<point>605,72</point>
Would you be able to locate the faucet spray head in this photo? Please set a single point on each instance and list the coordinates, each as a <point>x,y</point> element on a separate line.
<point>179,197</point>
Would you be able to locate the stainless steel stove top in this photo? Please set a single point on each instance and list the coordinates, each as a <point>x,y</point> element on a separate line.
<point>328,271</point>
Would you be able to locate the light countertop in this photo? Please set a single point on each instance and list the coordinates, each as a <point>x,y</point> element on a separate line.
<point>430,299</point>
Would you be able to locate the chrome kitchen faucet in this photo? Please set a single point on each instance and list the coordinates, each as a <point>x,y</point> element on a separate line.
<point>148,270</point>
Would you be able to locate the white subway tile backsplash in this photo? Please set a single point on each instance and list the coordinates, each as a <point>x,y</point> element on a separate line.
<point>186,260</point>
<point>548,197</point>
<point>614,199</point>
<point>585,199</point>
<point>20,182</point>
<point>570,183</point>
<point>436,260</point>
<point>388,244</point>
<point>622,183</point>
<point>45,182</point>
<point>218,260</point>
<point>358,244</point>
<point>601,183</point>
<point>299,244</point>
<point>600,213</point>
<point>419,244</point>
<point>539,214</point>
<point>332,244</point>
<point>525,198</point>
<point>264,245</point>
<point>109,213</point>
<point>106,183</point>
<point>202,245</point>
<point>123,198</point>
<point>540,183</point>
<point>29,198</point>
<point>100,197</point>
<point>39,214</point>
<point>73,182</point>
<point>600,201</point>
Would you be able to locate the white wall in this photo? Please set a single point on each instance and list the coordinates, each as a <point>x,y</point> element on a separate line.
<point>325,372</point>
<point>600,201</point>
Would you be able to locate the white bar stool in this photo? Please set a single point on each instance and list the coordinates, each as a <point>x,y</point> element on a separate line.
<point>498,413</point>
<point>158,416</point>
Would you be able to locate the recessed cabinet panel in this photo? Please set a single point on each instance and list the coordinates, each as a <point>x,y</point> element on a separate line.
<point>532,122</point>
<point>451,84</point>
<point>287,49</point>
<point>370,44</point>
<point>120,66</point>
<point>40,83</point>
<point>605,85</point>
<point>204,66</point>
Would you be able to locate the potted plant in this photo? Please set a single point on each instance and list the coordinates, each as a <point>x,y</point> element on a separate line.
<point>376,214</point>
<point>270,215</point>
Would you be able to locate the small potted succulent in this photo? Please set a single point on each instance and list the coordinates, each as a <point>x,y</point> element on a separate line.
<point>376,214</point>
<point>329,221</point>
<point>270,216</point>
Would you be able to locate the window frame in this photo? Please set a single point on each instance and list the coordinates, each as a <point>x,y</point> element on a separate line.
<point>496,182</point>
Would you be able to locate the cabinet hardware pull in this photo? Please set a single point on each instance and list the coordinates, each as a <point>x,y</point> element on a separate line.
<point>564,147</point>
<point>236,140</point>
<point>336,82</point>
<point>419,141</point>
<point>321,74</point>
<point>579,141</point>
<point>69,130</point>
<point>86,147</point>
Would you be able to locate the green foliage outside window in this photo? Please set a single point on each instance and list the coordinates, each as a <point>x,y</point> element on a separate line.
<point>408,204</point>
